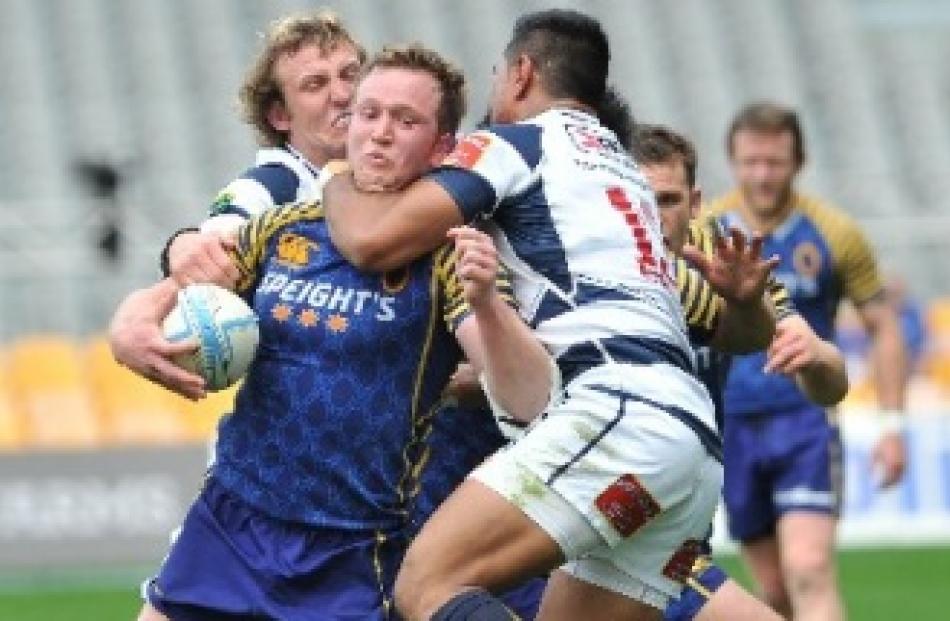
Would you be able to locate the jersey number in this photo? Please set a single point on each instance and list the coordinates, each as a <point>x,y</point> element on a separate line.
<point>651,267</point>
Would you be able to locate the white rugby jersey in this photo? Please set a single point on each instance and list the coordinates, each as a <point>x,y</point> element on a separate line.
<point>576,224</point>
<point>280,175</point>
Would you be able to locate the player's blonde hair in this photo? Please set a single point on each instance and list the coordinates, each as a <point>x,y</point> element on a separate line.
<point>260,89</point>
<point>450,78</point>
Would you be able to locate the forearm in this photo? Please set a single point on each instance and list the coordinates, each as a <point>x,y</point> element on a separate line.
<point>518,370</point>
<point>745,328</point>
<point>824,381</point>
<point>379,231</point>
<point>889,364</point>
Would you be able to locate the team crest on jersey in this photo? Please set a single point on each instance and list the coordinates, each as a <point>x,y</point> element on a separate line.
<point>294,250</point>
<point>469,151</point>
<point>396,280</point>
<point>806,259</point>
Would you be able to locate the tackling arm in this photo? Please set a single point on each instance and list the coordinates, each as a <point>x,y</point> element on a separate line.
<point>384,230</point>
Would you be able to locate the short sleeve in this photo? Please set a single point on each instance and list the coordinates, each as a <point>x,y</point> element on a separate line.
<point>490,165</point>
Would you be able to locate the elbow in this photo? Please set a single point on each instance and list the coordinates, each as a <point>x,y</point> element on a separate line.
<point>365,253</point>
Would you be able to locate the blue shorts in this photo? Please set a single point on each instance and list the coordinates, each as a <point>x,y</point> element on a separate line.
<point>704,580</point>
<point>778,463</point>
<point>231,561</point>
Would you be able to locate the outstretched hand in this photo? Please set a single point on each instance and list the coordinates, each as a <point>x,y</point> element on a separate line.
<point>736,271</point>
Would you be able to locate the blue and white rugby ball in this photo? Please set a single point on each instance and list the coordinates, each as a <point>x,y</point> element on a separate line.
<point>225,328</point>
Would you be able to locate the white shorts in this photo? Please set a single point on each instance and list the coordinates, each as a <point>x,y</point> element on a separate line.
<point>625,489</point>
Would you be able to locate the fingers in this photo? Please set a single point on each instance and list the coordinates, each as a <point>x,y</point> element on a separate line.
<point>204,258</point>
<point>169,348</point>
<point>696,258</point>
<point>174,378</point>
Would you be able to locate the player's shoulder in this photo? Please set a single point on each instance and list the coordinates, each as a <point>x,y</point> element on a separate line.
<point>721,205</point>
<point>832,222</point>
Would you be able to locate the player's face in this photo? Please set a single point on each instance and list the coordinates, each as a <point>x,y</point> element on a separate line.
<point>317,89</point>
<point>677,201</point>
<point>764,165</point>
<point>394,133</point>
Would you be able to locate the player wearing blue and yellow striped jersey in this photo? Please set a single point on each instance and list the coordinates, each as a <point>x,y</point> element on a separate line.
<point>310,501</point>
<point>782,452</point>
<point>669,163</point>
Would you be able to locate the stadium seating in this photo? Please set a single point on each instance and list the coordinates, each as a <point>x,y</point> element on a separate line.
<point>50,386</point>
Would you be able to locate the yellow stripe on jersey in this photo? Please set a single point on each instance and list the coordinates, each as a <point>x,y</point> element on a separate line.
<point>701,312</point>
<point>456,307</point>
<point>854,261</point>
<point>253,236</point>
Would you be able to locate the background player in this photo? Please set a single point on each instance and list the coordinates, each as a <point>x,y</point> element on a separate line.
<point>299,517</point>
<point>296,95</point>
<point>782,486</point>
<point>669,162</point>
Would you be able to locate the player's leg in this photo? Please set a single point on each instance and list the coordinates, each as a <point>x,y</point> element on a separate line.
<point>750,513</point>
<point>807,541</point>
<point>589,479</point>
<point>568,599</point>
<point>475,539</point>
<point>763,559</point>
<point>148,613</point>
<point>807,496</point>
<point>730,602</point>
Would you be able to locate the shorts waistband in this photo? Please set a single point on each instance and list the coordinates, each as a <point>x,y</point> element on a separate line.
<point>623,349</point>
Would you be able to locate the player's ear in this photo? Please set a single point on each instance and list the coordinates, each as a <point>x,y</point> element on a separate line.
<point>524,73</point>
<point>278,117</point>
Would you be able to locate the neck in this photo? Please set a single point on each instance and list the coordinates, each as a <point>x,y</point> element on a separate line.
<point>765,221</point>
<point>541,104</point>
<point>315,158</point>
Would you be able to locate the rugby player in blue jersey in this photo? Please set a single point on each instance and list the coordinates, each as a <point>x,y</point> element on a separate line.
<point>783,453</point>
<point>669,162</point>
<point>305,512</point>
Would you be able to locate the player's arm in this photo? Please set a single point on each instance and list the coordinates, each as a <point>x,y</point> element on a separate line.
<point>517,371</point>
<point>380,231</point>
<point>858,272</point>
<point>383,230</point>
<point>817,365</point>
<point>745,314</point>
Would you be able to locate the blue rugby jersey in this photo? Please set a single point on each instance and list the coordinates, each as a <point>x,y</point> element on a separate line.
<point>824,258</point>
<point>331,426</point>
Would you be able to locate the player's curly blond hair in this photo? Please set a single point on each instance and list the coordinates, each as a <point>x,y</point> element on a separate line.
<point>260,90</point>
<point>450,78</point>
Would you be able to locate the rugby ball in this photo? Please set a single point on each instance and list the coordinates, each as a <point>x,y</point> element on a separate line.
<point>225,328</point>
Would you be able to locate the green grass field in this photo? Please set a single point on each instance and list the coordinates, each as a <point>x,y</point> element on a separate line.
<point>879,584</point>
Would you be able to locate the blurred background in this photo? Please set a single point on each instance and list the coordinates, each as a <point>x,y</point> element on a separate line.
<point>119,125</point>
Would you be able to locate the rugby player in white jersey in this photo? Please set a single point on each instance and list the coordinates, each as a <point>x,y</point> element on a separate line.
<point>615,484</point>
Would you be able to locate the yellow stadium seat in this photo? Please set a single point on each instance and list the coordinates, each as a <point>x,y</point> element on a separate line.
<point>134,410</point>
<point>49,385</point>
<point>11,420</point>
<point>937,364</point>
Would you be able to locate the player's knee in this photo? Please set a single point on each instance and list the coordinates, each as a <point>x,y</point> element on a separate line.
<point>808,570</point>
<point>148,613</point>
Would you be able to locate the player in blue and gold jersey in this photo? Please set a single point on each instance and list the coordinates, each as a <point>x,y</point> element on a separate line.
<point>669,162</point>
<point>309,503</point>
<point>783,467</point>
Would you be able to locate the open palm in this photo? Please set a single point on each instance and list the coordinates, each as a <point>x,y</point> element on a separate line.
<point>736,271</point>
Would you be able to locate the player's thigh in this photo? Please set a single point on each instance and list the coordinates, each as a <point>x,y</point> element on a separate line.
<point>568,599</point>
<point>806,541</point>
<point>731,602</point>
<point>477,537</point>
<point>148,613</point>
